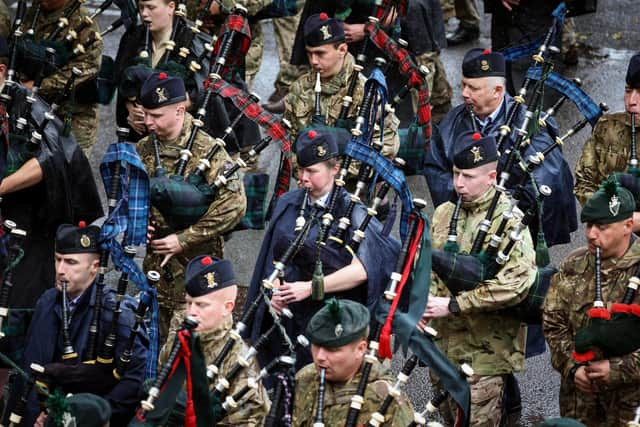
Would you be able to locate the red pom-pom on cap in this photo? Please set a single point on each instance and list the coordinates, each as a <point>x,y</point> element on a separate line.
<point>82,224</point>
<point>206,260</point>
<point>324,16</point>
<point>312,134</point>
<point>486,51</point>
<point>476,136</point>
<point>162,76</point>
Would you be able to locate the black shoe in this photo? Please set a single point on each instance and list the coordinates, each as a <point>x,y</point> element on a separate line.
<point>463,35</point>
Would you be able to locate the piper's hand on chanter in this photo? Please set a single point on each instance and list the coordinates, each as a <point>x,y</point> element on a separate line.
<point>582,381</point>
<point>41,420</point>
<point>136,117</point>
<point>508,4</point>
<point>295,291</point>
<point>167,246</point>
<point>436,307</point>
<point>599,372</point>
<point>353,32</point>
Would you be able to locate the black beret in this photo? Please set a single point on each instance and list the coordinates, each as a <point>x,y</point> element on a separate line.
<point>161,89</point>
<point>314,146</point>
<point>633,72</point>
<point>4,47</point>
<point>611,203</point>
<point>87,410</point>
<point>74,240</point>
<point>338,323</point>
<point>483,63</point>
<point>319,30</point>
<point>205,274</point>
<point>473,150</point>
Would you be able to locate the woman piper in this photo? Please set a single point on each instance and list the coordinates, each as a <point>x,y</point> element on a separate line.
<point>360,276</point>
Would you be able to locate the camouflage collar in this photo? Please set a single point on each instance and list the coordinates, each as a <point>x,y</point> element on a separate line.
<point>184,133</point>
<point>340,80</point>
<point>630,257</point>
<point>481,204</point>
<point>217,334</point>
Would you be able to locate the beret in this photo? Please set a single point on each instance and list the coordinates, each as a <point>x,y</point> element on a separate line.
<point>483,63</point>
<point>611,203</point>
<point>161,89</point>
<point>319,30</point>
<point>338,323</point>
<point>206,274</point>
<point>633,72</point>
<point>315,146</point>
<point>473,150</point>
<point>81,239</point>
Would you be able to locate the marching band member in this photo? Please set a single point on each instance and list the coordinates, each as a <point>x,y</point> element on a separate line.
<point>338,335</point>
<point>470,327</point>
<point>77,254</point>
<point>211,290</point>
<point>163,99</point>
<point>603,392</point>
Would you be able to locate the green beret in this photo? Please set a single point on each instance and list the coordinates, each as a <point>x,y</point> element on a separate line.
<point>338,323</point>
<point>611,203</point>
<point>87,410</point>
<point>561,422</point>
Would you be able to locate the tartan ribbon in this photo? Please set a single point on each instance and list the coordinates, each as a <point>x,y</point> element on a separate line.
<point>238,24</point>
<point>130,217</point>
<point>409,70</point>
<point>514,53</point>
<point>579,97</point>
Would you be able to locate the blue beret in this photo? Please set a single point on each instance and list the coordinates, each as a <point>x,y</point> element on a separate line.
<point>315,146</point>
<point>473,150</point>
<point>205,274</point>
<point>338,323</point>
<point>483,63</point>
<point>633,72</point>
<point>319,30</point>
<point>161,89</point>
<point>75,240</point>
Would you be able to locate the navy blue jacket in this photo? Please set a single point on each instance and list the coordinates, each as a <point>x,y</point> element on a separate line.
<point>44,345</point>
<point>559,210</point>
<point>377,253</point>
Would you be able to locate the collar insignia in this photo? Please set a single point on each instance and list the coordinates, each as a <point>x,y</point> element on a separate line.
<point>211,280</point>
<point>161,93</point>
<point>339,330</point>
<point>476,154</point>
<point>614,205</point>
<point>85,241</point>
<point>326,34</point>
<point>321,151</point>
<point>484,65</point>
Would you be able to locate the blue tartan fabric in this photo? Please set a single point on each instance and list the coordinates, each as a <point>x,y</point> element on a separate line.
<point>130,217</point>
<point>527,49</point>
<point>585,104</point>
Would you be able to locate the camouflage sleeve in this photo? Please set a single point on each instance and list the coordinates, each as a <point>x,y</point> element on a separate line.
<point>252,6</point>
<point>88,63</point>
<point>304,396</point>
<point>225,212</point>
<point>5,19</point>
<point>587,179</point>
<point>291,106</point>
<point>400,413</point>
<point>510,285</point>
<point>391,138</point>
<point>176,321</point>
<point>555,325</point>
<point>625,370</point>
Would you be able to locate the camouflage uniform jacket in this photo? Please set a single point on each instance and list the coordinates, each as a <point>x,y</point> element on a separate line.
<point>205,236</point>
<point>255,405</point>
<point>84,115</point>
<point>606,151</point>
<point>566,311</point>
<point>337,399</point>
<point>490,341</point>
<point>300,104</point>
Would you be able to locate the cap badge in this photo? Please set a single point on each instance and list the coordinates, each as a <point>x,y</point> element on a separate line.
<point>476,154</point>
<point>85,241</point>
<point>484,65</point>
<point>339,330</point>
<point>211,280</point>
<point>161,93</point>
<point>321,151</point>
<point>614,205</point>
<point>326,34</point>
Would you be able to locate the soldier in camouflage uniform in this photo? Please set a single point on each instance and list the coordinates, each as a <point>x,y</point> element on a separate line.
<point>603,392</point>
<point>5,19</point>
<point>83,112</point>
<point>162,98</point>
<point>471,328</point>
<point>211,289</point>
<point>607,150</point>
<point>338,335</point>
<point>328,56</point>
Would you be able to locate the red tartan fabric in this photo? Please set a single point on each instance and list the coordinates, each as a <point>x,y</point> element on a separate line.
<point>239,25</point>
<point>384,8</point>
<point>408,69</point>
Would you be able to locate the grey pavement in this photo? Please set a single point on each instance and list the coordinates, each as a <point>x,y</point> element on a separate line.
<point>611,37</point>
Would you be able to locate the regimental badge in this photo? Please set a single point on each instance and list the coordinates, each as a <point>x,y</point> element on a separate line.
<point>339,330</point>
<point>476,154</point>
<point>484,65</point>
<point>321,151</point>
<point>85,241</point>
<point>211,280</point>
<point>326,34</point>
<point>161,93</point>
<point>614,205</point>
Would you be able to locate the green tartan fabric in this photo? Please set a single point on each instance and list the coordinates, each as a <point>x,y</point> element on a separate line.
<point>102,89</point>
<point>182,203</point>
<point>256,188</point>
<point>32,57</point>
<point>412,149</point>
<point>460,272</point>
<point>20,150</point>
<point>529,310</point>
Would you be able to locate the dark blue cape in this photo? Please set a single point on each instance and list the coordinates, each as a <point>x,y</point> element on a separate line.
<point>377,253</point>
<point>44,345</point>
<point>559,218</point>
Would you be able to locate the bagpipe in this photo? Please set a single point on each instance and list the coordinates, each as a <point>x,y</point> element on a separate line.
<point>11,253</point>
<point>631,178</point>
<point>461,271</point>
